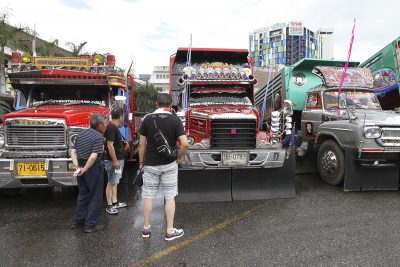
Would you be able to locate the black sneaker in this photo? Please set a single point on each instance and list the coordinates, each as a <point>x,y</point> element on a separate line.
<point>146,232</point>
<point>175,234</point>
<point>98,227</point>
<point>76,224</point>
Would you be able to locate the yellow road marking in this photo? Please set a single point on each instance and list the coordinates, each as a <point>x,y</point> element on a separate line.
<point>207,232</point>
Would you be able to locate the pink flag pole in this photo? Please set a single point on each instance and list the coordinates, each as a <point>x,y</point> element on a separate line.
<point>346,65</point>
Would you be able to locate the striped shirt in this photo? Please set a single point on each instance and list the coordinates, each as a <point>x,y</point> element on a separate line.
<point>87,142</point>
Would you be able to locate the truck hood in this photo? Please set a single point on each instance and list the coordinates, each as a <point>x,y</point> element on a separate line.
<point>73,115</point>
<point>378,117</point>
<point>225,112</point>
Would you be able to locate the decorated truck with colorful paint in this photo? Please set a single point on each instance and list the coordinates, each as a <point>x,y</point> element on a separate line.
<point>385,67</point>
<point>230,156</point>
<point>55,97</point>
<point>351,139</point>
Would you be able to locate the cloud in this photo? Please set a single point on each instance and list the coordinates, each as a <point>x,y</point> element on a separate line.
<point>151,30</point>
<point>76,3</point>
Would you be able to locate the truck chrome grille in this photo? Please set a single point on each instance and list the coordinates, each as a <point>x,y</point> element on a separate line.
<point>390,133</point>
<point>390,137</point>
<point>35,133</point>
<point>36,136</point>
<point>233,133</point>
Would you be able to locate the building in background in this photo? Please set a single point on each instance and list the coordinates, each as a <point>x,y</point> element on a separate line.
<point>144,77</point>
<point>287,43</point>
<point>327,42</point>
<point>160,78</point>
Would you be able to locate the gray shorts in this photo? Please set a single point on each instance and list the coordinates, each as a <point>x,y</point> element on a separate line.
<point>113,178</point>
<point>166,175</point>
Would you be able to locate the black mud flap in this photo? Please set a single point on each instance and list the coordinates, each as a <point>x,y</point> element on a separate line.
<point>361,176</point>
<point>212,185</point>
<point>208,185</point>
<point>260,183</point>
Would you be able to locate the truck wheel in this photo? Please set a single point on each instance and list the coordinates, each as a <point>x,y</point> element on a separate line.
<point>331,162</point>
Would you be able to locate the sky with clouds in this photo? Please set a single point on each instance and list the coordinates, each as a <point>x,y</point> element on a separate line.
<point>149,31</point>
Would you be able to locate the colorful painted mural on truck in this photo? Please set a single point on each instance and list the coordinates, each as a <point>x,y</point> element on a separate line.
<point>385,66</point>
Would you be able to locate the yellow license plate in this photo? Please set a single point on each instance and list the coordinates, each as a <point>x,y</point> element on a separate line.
<point>31,169</point>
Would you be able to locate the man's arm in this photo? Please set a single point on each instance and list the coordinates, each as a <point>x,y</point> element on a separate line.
<point>183,148</point>
<point>88,164</point>
<point>111,151</point>
<point>142,148</point>
<point>74,158</point>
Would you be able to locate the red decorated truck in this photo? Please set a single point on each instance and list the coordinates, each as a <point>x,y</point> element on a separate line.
<point>231,156</point>
<point>54,99</point>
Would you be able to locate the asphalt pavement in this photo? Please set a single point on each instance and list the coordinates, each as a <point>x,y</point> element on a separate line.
<point>322,226</point>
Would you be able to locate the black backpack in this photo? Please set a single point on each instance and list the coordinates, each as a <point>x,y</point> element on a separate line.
<point>161,143</point>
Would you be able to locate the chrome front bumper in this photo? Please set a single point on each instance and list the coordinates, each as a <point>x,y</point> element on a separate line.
<point>260,158</point>
<point>58,173</point>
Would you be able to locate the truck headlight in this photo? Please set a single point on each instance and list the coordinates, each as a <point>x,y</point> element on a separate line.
<point>181,115</point>
<point>72,139</point>
<point>372,132</point>
<point>2,140</point>
<point>190,139</point>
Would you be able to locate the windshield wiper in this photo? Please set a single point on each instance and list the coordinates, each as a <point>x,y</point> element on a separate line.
<point>82,102</point>
<point>42,103</point>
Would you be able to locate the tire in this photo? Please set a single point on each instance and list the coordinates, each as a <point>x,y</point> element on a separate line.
<point>331,162</point>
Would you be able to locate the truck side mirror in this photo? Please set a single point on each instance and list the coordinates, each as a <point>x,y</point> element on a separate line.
<point>120,101</point>
<point>342,100</point>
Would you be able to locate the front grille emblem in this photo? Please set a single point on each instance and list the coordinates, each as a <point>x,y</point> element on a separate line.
<point>233,131</point>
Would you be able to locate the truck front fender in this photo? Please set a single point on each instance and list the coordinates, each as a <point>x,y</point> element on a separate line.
<point>323,136</point>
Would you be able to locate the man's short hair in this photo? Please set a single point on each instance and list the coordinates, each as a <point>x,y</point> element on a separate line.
<point>96,119</point>
<point>164,100</point>
<point>116,113</point>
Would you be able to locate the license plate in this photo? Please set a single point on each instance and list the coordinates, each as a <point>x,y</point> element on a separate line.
<point>235,158</point>
<point>31,168</point>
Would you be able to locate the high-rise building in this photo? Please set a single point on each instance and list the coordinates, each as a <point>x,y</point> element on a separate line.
<point>286,44</point>
<point>327,41</point>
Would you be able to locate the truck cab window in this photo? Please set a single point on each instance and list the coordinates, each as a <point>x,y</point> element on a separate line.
<point>314,101</point>
<point>69,96</point>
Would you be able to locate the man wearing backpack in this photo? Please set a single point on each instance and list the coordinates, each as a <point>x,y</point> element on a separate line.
<point>159,163</point>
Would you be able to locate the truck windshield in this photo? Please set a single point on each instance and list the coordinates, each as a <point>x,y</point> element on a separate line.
<point>68,96</point>
<point>351,98</point>
<point>218,99</point>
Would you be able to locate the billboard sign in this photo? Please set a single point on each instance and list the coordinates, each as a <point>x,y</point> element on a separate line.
<point>41,62</point>
<point>296,28</point>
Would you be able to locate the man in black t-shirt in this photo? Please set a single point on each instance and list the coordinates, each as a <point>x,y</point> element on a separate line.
<point>157,169</point>
<point>114,160</point>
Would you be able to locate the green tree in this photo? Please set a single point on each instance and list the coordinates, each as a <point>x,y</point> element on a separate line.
<point>76,49</point>
<point>47,48</point>
<point>145,97</point>
<point>8,38</point>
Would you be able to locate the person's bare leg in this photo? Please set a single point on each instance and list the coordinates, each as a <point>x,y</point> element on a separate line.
<point>109,193</point>
<point>147,208</point>
<point>170,212</point>
<point>114,193</point>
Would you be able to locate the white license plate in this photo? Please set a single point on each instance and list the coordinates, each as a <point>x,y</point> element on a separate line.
<point>235,158</point>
